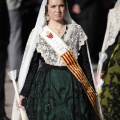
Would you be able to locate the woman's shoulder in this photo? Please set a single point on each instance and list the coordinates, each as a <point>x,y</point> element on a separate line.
<point>74,25</point>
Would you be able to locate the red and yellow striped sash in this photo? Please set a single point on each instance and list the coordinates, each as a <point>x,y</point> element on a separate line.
<point>74,67</point>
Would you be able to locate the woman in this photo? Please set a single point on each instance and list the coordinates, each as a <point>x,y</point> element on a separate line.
<point>110,94</point>
<point>52,92</point>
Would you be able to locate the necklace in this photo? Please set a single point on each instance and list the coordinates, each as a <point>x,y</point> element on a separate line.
<point>59,30</point>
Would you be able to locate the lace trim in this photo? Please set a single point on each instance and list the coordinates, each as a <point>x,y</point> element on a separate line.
<point>114,25</point>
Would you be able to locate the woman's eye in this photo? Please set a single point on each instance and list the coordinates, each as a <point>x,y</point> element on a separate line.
<point>62,6</point>
<point>53,6</point>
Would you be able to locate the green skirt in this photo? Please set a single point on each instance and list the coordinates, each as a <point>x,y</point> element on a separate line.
<point>110,96</point>
<point>57,95</point>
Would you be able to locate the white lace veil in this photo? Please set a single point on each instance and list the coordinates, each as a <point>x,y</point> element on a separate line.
<point>113,25</point>
<point>117,3</point>
<point>30,47</point>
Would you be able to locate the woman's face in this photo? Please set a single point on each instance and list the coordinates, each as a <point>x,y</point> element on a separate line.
<point>56,9</point>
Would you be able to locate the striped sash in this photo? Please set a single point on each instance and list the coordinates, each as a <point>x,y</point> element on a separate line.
<point>75,68</point>
<point>63,51</point>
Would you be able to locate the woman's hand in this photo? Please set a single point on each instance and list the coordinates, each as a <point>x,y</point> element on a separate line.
<point>96,78</point>
<point>20,102</point>
<point>102,75</point>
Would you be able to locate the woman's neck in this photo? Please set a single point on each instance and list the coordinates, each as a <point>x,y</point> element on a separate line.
<point>58,27</point>
<point>56,24</point>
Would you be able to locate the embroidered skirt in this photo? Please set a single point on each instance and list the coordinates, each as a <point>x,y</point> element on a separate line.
<point>57,95</point>
<point>110,96</point>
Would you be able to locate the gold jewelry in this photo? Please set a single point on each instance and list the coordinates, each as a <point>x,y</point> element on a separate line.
<point>47,17</point>
<point>59,30</point>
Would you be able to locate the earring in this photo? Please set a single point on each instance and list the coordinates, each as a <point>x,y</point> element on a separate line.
<point>47,17</point>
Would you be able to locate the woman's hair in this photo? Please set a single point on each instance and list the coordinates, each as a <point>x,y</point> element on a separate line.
<point>63,0</point>
<point>48,3</point>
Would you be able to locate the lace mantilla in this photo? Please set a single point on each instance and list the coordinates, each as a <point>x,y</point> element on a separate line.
<point>74,38</point>
<point>113,25</point>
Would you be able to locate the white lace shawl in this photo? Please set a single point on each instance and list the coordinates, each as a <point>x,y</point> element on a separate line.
<point>74,37</point>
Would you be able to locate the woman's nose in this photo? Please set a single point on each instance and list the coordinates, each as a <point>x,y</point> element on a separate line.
<point>58,9</point>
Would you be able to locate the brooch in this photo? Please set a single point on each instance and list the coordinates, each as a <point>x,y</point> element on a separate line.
<point>49,34</point>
